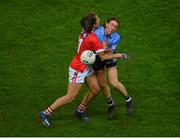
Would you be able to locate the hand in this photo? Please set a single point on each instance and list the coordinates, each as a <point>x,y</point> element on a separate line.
<point>124,56</point>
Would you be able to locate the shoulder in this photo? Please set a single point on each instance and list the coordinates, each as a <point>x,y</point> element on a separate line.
<point>115,38</point>
<point>91,36</point>
<point>99,30</point>
<point>115,35</point>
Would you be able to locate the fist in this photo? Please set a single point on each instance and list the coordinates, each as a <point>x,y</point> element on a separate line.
<point>124,56</point>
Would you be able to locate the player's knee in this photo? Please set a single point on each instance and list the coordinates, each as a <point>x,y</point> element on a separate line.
<point>70,98</point>
<point>95,91</point>
<point>114,83</point>
<point>92,94</point>
<point>98,89</point>
<point>103,85</point>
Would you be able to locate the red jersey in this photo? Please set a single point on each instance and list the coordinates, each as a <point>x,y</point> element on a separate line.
<point>87,41</point>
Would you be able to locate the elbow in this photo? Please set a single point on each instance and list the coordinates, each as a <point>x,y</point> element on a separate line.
<point>102,57</point>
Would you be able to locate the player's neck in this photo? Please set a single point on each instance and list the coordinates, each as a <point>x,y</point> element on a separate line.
<point>106,33</point>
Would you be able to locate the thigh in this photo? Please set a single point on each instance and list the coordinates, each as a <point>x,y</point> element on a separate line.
<point>101,76</point>
<point>73,89</point>
<point>93,83</point>
<point>75,76</point>
<point>112,73</point>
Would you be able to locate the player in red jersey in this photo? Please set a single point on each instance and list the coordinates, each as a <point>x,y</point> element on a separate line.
<point>78,72</point>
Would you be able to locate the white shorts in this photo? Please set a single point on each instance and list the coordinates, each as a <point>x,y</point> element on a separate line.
<point>78,77</point>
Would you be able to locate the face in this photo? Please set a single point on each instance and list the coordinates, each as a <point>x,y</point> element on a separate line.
<point>111,27</point>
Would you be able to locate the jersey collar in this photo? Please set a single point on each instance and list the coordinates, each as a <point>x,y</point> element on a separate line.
<point>103,32</point>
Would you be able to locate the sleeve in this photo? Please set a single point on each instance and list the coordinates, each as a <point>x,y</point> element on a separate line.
<point>115,42</point>
<point>96,45</point>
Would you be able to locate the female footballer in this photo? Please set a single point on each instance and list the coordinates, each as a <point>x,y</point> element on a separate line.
<point>108,36</point>
<point>79,72</point>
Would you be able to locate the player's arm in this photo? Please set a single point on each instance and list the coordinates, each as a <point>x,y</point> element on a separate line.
<point>105,56</point>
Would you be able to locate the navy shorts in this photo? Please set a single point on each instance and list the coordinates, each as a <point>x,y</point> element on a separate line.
<point>99,64</point>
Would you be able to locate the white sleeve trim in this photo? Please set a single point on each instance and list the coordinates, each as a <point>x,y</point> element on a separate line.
<point>99,50</point>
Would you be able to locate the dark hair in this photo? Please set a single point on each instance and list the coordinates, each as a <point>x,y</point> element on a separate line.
<point>88,22</point>
<point>111,19</point>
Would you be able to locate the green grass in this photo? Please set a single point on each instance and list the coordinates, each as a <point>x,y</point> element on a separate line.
<point>37,42</point>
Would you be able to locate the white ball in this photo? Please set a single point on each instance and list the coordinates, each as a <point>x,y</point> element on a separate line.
<point>88,57</point>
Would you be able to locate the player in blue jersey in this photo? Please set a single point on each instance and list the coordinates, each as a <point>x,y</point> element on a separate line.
<point>108,36</point>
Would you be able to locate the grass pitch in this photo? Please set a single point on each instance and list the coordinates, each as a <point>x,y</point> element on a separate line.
<point>37,42</point>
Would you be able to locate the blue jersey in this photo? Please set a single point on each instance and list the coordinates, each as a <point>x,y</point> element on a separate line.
<point>113,39</point>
